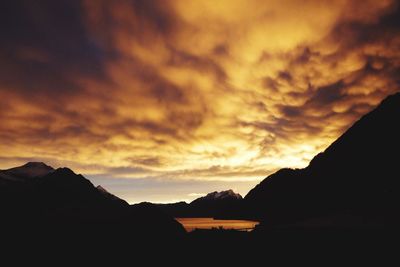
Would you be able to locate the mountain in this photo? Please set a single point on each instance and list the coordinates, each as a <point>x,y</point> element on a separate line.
<point>28,171</point>
<point>110,196</point>
<point>224,204</point>
<point>223,195</point>
<point>38,199</point>
<point>354,182</point>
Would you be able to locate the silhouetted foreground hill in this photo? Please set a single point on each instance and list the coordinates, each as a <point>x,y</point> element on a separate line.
<point>35,197</point>
<point>354,183</point>
<point>224,204</point>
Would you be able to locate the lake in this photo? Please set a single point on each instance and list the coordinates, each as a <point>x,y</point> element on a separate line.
<point>191,224</point>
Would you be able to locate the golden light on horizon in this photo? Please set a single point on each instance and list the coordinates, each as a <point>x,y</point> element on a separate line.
<point>182,93</point>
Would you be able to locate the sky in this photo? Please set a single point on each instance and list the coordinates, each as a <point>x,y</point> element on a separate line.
<point>167,100</point>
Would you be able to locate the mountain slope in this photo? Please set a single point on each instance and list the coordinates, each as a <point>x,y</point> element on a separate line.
<point>110,196</point>
<point>356,175</point>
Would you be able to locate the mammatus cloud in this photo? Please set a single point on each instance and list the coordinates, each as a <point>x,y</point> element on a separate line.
<point>189,92</point>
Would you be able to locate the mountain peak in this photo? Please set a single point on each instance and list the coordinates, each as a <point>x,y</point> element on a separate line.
<point>36,164</point>
<point>227,194</point>
<point>27,171</point>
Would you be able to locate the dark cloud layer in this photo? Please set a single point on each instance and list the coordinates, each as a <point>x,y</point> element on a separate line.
<point>43,45</point>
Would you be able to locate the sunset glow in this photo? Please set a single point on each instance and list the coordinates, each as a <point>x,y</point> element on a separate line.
<point>164,100</point>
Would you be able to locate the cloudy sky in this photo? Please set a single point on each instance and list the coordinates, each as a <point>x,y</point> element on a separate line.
<point>167,100</point>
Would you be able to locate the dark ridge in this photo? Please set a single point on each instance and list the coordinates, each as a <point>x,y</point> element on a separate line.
<point>356,175</point>
<point>110,196</point>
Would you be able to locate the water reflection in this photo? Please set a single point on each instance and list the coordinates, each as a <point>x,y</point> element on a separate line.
<point>191,224</point>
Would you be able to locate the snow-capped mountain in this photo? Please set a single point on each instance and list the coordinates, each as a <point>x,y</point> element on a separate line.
<point>26,172</point>
<point>228,194</point>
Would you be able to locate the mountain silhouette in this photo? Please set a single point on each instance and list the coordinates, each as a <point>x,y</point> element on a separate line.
<point>36,198</point>
<point>110,196</point>
<point>224,204</point>
<point>28,171</point>
<point>228,194</point>
<point>353,183</point>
